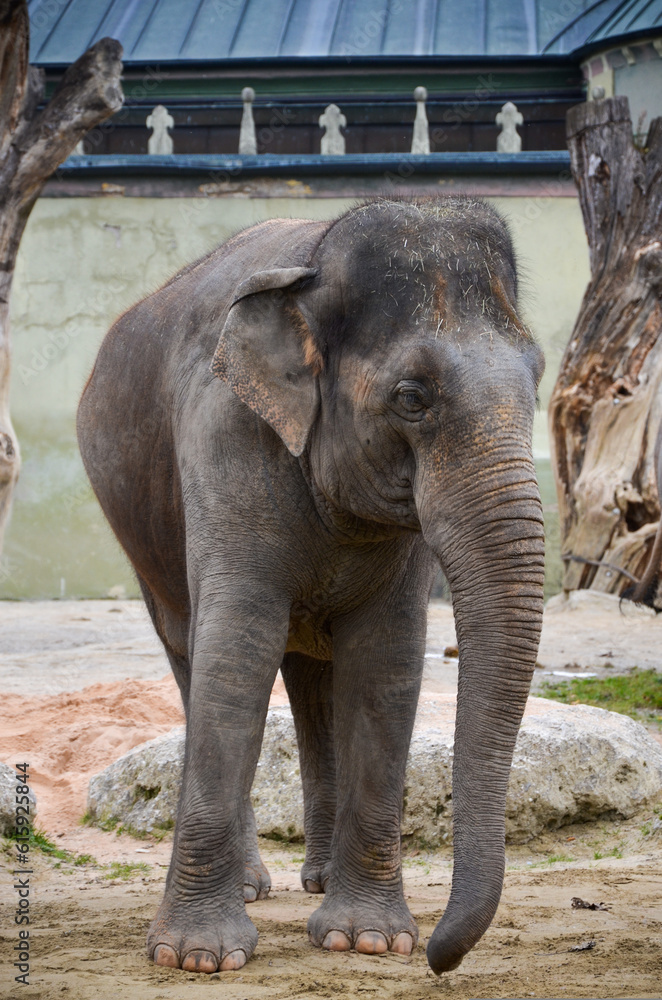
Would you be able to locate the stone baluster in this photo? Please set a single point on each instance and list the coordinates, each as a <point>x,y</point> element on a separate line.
<point>509,140</point>
<point>333,141</point>
<point>160,120</point>
<point>247,137</point>
<point>420,141</point>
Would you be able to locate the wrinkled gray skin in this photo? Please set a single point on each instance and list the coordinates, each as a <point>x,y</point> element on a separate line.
<point>369,413</point>
<point>644,591</point>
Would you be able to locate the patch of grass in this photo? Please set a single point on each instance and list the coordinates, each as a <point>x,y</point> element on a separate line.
<point>616,852</point>
<point>84,859</point>
<point>39,842</point>
<point>551,860</point>
<point>158,833</point>
<point>417,863</point>
<point>637,693</point>
<point>124,870</point>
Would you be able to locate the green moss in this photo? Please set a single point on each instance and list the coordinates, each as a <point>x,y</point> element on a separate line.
<point>107,823</point>
<point>143,792</point>
<point>637,693</point>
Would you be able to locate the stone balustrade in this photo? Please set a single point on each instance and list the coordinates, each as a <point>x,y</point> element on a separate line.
<point>331,122</point>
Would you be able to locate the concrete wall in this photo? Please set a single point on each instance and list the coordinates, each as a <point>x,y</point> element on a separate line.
<point>85,260</point>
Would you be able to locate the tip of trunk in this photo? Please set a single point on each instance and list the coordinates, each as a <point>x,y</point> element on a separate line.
<point>442,959</point>
<point>462,925</point>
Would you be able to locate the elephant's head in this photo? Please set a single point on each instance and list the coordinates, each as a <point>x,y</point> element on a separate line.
<point>396,363</point>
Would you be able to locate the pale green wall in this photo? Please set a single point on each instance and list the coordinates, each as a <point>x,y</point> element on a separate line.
<point>84,260</point>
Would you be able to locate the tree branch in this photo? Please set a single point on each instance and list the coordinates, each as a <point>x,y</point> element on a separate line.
<point>14,45</point>
<point>90,92</point>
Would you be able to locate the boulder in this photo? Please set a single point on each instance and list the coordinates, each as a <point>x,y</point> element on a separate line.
<point>8,801</point>
<point>572,763</point>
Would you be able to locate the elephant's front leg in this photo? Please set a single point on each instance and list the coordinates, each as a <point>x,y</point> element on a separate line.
<point>202,923</point>
<point>378,659</point>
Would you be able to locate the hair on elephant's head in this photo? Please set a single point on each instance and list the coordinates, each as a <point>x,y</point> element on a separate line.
<point>395,358</point>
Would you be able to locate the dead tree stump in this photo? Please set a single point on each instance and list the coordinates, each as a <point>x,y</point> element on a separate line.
<point>607,402</point>
<point>34,140</point>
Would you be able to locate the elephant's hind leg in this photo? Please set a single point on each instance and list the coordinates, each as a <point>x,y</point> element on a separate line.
<point>257,880</point>
<point>309,685</point>
<point>378,659</point>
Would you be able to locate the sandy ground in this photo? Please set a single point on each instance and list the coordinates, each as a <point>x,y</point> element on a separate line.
<point>86,681</point>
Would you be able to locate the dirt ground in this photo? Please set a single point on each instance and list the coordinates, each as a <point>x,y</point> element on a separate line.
<point>84,682</point>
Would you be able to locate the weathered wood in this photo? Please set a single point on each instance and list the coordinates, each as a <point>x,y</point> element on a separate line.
<point>33,143</point>
<point>607,402</point>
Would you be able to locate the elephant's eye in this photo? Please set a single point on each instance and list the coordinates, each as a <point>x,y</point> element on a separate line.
<point>412,401</point>
<point>412,397</point>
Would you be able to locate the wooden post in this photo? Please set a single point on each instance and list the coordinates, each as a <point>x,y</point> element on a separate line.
<point>607,402</point>
<point>32,144</point>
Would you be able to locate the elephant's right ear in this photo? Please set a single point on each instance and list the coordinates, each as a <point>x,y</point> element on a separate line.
<point>267,355</point>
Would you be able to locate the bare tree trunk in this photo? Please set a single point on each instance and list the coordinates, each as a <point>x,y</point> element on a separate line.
<point>33,143</point>
<point>607,401</point>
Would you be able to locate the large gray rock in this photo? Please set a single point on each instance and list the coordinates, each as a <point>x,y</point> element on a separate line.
<point>8,800</point>
<point>572,763</point>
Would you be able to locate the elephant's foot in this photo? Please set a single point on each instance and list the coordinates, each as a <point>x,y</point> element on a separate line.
<point>315,875</point>
<point>200,936</point>
<point>341,924</point>
<point>257,881</point>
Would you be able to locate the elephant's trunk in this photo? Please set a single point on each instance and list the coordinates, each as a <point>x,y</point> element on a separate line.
<point>487,530</point>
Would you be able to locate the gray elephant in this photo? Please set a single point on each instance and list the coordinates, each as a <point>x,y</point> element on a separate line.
<point>287,439</point>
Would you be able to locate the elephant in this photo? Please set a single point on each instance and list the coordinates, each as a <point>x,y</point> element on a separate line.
<point>288,439</point>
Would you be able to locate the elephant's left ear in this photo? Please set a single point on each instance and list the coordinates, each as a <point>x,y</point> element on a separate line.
<point>266,353</point>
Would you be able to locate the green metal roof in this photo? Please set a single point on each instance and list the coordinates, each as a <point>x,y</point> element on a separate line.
<point>190,31</point>
<point>605,22</point>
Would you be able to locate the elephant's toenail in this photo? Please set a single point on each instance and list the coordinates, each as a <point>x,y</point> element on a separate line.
<point>336,941</point>
<point>250,894</point>
<point>200,961</point>
<point>233,961</point>
<point>165,955</point>
<point>310,885</point>
<point>403,944</point>
<point>371,943</point>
